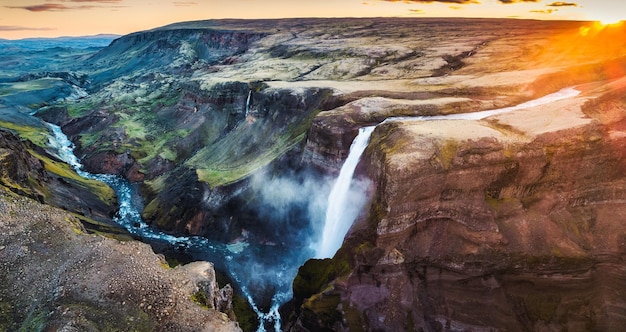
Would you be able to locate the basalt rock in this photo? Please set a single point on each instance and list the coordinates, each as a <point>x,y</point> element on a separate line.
<point>30,171</point>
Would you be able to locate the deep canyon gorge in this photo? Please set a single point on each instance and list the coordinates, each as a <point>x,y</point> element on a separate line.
<point>185,178</point>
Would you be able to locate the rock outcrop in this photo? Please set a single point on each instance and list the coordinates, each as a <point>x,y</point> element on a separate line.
<point>56,277</point>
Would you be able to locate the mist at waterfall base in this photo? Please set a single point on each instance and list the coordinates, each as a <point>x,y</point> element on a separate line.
<point>290,210</point>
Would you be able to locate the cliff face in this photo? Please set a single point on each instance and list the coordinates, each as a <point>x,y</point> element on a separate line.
<point>30,171</point>
<point>505,224</point>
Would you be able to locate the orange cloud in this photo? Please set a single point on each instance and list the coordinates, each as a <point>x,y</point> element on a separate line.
<point>506,2</point>
<point>56,7</point>
<point>97,1</point>
<point>562,4</point>
<point>184,3</point>
<point>47,7</point>
<point>461,2</point>
<point>21,28</point>
<point>544,11</point>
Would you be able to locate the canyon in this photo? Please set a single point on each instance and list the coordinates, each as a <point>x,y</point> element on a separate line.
<point>231,133</point>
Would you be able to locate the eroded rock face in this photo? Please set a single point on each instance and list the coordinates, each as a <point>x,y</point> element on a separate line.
<point>210,189</point>
<point>493,225</point>
<point>30,171</point>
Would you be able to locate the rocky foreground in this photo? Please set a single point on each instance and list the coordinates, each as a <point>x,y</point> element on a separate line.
<point>56,277</point>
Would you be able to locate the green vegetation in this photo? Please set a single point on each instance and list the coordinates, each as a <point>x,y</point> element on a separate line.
<point>446,153</point>
<point>78,109</point>
<point>235,157</point>
<point>200,299</point>
<point>37,135</point>
<point>325,308</point>
<point>101,190</point>
<point>17,87</point>
<point>36,321</point>
<point>315,275</point>
<point>82,224</point>
<point>246,317</point>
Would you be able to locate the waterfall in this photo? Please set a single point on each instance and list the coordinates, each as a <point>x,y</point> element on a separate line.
<point>248,102</point>
<point>337,222</point>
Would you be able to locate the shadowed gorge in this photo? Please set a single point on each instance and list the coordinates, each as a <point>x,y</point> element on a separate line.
<point>487,192</point>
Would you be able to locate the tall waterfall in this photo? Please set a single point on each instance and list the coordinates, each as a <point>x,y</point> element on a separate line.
<point>337,222</point>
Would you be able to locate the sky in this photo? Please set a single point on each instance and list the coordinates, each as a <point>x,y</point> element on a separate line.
<point>51,18</point>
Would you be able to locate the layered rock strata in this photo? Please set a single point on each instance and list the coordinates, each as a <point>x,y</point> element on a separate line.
<point>511,223</point>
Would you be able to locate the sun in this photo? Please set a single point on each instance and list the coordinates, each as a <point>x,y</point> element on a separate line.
<point>610,21</point>
<point>610,18</point>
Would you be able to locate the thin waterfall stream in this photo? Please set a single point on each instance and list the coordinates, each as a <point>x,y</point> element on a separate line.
<point>236,258</point>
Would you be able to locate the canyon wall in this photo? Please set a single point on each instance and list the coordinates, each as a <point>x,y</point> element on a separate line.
<point>510,223</point>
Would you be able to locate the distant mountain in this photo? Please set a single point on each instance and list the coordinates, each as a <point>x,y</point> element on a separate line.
<point>37,44</point>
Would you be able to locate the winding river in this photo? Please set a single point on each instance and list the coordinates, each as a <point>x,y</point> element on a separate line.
<point>238,259</point>
<point>232,258</point>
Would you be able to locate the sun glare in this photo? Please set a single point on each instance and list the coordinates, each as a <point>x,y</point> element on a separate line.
<point>610,20</point>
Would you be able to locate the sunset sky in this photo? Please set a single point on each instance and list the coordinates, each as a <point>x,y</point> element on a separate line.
<point>48,18</point>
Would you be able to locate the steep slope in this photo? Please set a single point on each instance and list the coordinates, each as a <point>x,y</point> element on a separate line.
<point>30,171</point>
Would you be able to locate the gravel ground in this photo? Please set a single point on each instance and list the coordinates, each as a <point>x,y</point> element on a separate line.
<point>56,277</point>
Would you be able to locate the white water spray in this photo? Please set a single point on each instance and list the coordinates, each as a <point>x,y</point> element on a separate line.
<point>337,223</point>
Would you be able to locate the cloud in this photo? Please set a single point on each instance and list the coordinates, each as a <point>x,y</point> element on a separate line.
<point>417,11</point>
<point>544,11</point>
<point>460,2</point>
<point>57,7</point>
<point>47,7</point>
<point>94,1</point>
<point>562,4</point>
<point>184,3</point>
<point>21,28</point>
<point>506,2</point>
